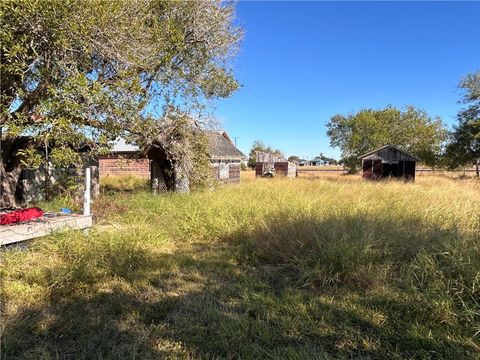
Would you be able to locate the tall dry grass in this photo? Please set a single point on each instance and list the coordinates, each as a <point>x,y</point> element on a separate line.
<point>273,268</point>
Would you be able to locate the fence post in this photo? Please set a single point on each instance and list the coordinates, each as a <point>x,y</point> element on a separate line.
<point>86,194</point>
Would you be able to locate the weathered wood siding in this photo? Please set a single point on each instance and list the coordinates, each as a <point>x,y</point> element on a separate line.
<point>388,162</point>
<point>258,169</point>
<point>226,172</point>
<point>282,168</point>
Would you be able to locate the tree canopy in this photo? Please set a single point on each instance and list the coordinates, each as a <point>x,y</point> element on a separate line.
<point>86,72</point>
<point>464,145</point>
<point>411,129</point>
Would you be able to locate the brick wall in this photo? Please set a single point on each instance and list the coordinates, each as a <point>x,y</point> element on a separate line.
<point>116,166</point>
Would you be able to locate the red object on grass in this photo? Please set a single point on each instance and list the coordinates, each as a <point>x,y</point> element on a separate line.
<point>20,215</point>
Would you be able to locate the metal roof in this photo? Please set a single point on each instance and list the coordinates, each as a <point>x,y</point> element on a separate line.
<point>388,146</point>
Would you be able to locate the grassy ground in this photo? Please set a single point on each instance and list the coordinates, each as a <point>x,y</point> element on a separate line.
<point>330,268</point>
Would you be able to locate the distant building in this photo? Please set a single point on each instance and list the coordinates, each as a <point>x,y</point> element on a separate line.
<point>270,165</point>
<point>225,160</point>
<point>388,161</point>
<point>316,162</point>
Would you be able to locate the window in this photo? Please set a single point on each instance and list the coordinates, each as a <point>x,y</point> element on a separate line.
<point>223,171</point>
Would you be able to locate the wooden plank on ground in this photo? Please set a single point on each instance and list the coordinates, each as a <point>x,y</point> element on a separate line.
<point>10,234</point>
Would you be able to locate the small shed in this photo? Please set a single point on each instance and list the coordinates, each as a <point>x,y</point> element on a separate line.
<point>225,158</point>
<point>270,165</point>
<point>388,162</point>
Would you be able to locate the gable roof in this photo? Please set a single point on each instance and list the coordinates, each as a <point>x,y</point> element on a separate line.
<point>222,147</point>
<point>388,146</point>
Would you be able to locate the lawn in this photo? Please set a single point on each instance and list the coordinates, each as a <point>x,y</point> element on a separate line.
<point>326,268</point>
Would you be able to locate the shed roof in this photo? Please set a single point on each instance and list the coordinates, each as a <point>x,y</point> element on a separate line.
<point>386,147</point>
<point>222,147</point>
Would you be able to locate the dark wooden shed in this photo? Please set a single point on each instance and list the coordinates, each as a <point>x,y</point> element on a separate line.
<point>388,162</point>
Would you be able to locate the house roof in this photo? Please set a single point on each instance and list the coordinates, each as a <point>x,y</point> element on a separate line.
<point>387,146</point>
<point>222,147</point>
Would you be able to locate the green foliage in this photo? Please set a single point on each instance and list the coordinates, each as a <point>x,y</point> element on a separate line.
<point>411,129</point>
<point>259,146</point>
<point>76,73</point>
<point>464,145</point>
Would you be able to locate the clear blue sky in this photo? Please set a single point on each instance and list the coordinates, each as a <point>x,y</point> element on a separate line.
<point>302,62</point>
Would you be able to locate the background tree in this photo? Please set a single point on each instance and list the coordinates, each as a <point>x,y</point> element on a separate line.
<point>294,158</point>
<point>411,129</point>
<point>464,146</point>
<point>259,146</point>
<point>326,160</point>
<point>85,72</point>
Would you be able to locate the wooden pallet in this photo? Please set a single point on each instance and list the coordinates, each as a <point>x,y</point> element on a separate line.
<point>43,226</point>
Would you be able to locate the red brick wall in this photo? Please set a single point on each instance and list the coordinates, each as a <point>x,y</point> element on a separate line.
<point>115,166</point>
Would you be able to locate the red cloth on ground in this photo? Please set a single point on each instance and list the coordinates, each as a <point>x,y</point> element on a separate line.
<point>20,215</point>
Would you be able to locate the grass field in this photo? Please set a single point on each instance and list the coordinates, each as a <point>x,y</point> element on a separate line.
<point>326,268</point>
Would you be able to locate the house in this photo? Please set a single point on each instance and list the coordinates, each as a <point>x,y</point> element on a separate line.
<point>225,158</point>
<point>388,161</point>
<point>125,159</point>
<point>268,165</point>
<point>316,162</point>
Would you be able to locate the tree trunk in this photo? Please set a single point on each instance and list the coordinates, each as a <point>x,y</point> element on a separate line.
<point>477,165</point>
<point>10,168</point>
<point>9,186</point>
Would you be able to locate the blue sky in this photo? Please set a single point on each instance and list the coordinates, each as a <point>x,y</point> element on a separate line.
<point>302,62</point>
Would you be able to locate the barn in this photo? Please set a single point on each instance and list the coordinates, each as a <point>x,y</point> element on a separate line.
<point>388,162</point>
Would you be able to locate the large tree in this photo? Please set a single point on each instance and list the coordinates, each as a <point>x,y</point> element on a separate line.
<point>464,146</point>
<point>85,72</point>
<point>411,129</point>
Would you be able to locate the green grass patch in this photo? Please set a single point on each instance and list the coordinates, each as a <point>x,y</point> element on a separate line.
<point>331,268</point>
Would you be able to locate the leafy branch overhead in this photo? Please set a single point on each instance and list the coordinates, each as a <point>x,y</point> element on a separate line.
<point>87,72</point>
